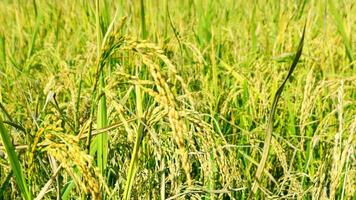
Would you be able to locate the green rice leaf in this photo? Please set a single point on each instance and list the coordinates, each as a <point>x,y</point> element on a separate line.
<point>14,162</point>
<point>269,130</point>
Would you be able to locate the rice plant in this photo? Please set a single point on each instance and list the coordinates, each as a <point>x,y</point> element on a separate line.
<point>177,99</point>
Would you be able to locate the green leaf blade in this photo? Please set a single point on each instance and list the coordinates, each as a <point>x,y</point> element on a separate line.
<point>14,162</point>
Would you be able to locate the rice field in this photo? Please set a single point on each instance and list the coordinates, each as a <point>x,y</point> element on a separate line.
<point>187,99</point>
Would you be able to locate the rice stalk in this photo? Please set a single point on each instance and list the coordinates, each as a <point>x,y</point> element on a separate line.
<point>105,49</point>
<point>102,140</point>
<point>2,50</point>
<point>14,162</point>
<point>134,161</point>
<point>341,30</point>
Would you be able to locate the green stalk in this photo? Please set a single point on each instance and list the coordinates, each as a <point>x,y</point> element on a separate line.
<point>102,140</point>
<point>14,162</point>
<point>101,123</point>
<point>341,30</point>
<point>77,106</point>
<point>34,37</point>
<point>139,112</point>
<point>143,22</point>
<point>134,160</point>
<point>2,51</point>
<point>100,143</point>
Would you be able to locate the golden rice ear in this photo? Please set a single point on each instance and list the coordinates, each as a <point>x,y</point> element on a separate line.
<point>76,163</point>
